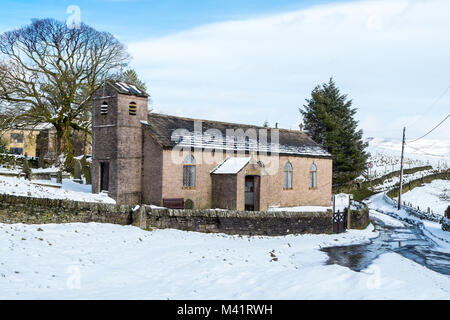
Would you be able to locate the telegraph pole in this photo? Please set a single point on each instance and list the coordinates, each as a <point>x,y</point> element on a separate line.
<point>401,172</point>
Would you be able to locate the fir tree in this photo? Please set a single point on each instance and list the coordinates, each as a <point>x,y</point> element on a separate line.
<point>329,120</point>
<point>130,76</point>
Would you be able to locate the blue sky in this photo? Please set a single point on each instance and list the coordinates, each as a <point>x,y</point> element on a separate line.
<point>133,19</point>
<point>250,61</point>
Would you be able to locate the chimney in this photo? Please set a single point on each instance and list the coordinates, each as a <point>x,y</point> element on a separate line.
<point>276,125</point>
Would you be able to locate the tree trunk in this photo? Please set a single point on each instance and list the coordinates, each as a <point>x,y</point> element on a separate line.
<point>64,147</point>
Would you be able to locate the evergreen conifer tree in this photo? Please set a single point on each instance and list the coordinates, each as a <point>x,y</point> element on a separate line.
<point>329,120</point>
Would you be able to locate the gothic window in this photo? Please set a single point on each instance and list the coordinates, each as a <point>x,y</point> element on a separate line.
<point>189,172</point>
<point>133,108</point>
<point>104,108</point>
<point>288,176</point>
<point>313,176</point>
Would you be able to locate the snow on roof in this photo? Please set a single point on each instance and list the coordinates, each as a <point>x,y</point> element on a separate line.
<point>128,88</point>
<point>39,126</point>
<point>43,126</point>
<point>173,131</point>
<point>231,165</point>
<point>192,140</point>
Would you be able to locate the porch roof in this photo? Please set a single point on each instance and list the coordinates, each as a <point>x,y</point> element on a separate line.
<point>231,165</point>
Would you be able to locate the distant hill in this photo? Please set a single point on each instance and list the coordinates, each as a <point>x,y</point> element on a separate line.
<point>385,154</point>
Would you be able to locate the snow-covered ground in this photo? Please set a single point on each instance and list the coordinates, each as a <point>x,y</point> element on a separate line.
<point>434,195</point>
<point>432,229</point>
<point>18,170</point>
<point>391,182</point>
<point>103,261</point>
<point>67,190</point>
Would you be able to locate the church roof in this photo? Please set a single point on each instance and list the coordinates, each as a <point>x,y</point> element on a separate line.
<point>171,131</point>
<point>127,88</point>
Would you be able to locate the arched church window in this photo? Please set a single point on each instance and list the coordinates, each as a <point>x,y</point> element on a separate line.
<point>313,176</point>
<point>189,172</point>
<point>288,175</point>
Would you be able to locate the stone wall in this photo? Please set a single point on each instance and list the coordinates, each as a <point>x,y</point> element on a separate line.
<point>359,219</point>
<point>224,193</point>
<point>235,222</point>
<point>446,224</point>
<point>444,175</point>
<point>15,209</point>
<point>152,169</point>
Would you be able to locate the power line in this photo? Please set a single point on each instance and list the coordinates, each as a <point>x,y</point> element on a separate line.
<point>431,129</point>
<point>422,152</point>
<point>431,106</point>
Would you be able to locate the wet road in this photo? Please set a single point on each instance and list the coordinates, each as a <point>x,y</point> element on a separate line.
<point>408,241</point>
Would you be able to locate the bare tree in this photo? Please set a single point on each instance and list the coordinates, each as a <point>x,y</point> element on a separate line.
<point>48,73</point>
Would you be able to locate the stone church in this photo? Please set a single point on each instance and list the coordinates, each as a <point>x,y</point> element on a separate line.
<point>141,157</point>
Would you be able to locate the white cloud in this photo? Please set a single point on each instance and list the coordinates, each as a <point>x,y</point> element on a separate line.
<point>390,57</point>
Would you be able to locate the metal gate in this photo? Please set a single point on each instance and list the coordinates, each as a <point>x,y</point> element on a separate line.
<point>339,221</point>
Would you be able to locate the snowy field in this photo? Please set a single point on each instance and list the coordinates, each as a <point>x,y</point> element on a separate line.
<point>67,190</point>
<point>103,261</point>
<point>391,182</point>
<point>434,195</point>
<point>385,154</point>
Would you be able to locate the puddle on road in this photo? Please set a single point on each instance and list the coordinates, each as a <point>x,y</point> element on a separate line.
<point>410,243</point>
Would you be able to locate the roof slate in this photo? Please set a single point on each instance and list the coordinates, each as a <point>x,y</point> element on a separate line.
<point>127,88</point>
<point>163,128</point>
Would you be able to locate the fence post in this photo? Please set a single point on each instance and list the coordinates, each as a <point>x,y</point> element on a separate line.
<point>349,217</point>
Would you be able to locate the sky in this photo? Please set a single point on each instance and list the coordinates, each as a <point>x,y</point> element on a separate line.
<point>251,61</point>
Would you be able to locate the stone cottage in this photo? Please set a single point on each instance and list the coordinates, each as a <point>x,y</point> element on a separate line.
<point>40,141</point>
<point>142,157</point>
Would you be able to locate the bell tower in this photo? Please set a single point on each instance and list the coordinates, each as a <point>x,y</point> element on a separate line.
<point>118,109</point>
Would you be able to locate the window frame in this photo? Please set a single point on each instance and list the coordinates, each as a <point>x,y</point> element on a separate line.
<point>313,176</point>
<point>16,151</point>
<point>16,137</point>
<point>288,176</point>
<point>189,172</point>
